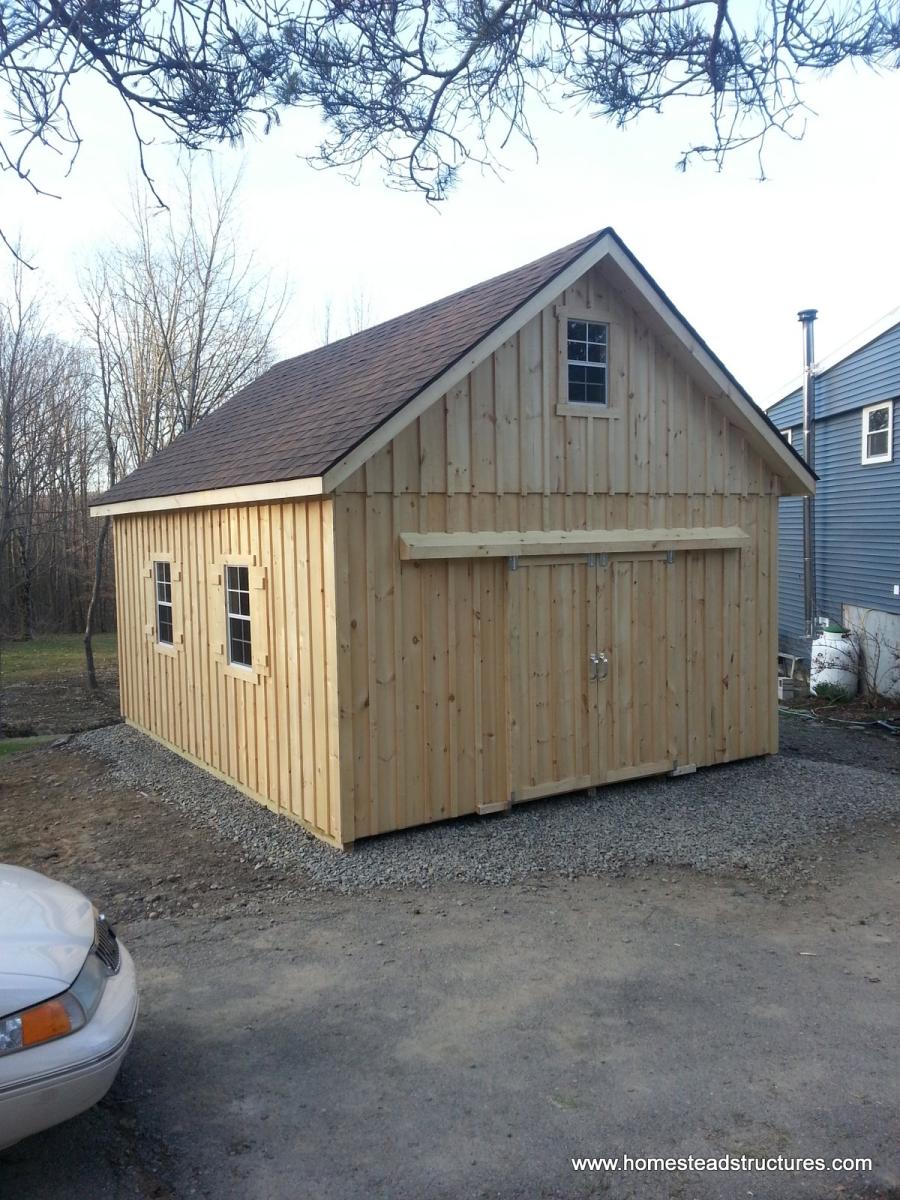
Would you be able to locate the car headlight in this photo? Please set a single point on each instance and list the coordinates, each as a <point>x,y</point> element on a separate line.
<point>64,1014</point>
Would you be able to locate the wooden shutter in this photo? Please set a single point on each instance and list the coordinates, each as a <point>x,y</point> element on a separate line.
<point>216,602</point>
<point>259,618</point>
<point>149,574</point>
<point>149,602</point>
<point>177,604</point>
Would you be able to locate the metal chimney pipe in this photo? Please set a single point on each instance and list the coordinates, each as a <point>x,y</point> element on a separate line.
<point>807,317</point>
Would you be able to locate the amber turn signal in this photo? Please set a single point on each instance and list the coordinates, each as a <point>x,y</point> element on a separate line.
<point>45,1022</point>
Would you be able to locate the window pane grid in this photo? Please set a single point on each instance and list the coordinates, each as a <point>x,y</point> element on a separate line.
<point>586,357</point>
<point>237,608</point>
<point>165,626</point>
<point>877,431</point>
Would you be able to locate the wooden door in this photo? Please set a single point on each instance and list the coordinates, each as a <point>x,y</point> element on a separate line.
<point>553,701</point>
<point>633,635</point>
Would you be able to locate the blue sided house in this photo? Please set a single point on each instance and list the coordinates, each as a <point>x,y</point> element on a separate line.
<point>857,505</point>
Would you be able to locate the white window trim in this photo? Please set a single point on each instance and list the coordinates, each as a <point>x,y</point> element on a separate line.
<point>160,604</point>
<point>151,629</point>
<point>582,406</point>
<point>788,435</point>
<point>868,459</point>
<point>248,617</point>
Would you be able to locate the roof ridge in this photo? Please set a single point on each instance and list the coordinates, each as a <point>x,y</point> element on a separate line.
<point>493,280</point>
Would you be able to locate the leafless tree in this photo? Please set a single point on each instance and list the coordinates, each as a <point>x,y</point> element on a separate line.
<point>422,85</point>
<point>324,320</point>
<point>358,315</point>
<point>47,463</point>
<point>178,320</point>
<point>359,311</point>
<point>41,404</point>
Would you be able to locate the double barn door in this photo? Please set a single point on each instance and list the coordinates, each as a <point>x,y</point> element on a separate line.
<point>594,693</point>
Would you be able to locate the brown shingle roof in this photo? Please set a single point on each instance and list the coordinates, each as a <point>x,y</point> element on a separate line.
<point>305,414</point>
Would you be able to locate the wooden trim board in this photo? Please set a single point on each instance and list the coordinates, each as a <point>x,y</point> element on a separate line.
<point>251,493</point>
<point>514,543</point>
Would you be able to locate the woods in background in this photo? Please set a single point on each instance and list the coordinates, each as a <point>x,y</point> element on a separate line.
<point>168,325</point>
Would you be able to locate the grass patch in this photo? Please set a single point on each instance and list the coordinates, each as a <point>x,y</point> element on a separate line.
<point>56,656</point>
<point>11,745</point>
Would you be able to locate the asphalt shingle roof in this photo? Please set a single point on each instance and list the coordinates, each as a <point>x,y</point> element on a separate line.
<point>305,414</point>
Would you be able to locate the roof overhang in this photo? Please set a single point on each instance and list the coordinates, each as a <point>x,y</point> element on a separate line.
<point>251,493</point>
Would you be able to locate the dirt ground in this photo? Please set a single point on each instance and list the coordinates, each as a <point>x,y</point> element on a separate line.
<point>467,1041</point>
<point>834,743</point>
<point>59,706</point>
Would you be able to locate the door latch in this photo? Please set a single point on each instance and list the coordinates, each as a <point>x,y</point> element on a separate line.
<point>599,665</point>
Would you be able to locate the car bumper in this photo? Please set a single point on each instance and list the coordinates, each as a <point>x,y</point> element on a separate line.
<point>48,1084</point>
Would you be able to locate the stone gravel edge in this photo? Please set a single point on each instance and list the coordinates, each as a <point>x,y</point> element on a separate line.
<point>762,817</point>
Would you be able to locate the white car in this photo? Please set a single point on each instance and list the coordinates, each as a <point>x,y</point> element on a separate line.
<point>68,1003</point>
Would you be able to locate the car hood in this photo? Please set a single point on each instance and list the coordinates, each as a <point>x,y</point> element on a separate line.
<point>46,931</point>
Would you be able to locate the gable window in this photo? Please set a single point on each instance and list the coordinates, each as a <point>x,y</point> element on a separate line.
<point>587,344</point>
<point>165,624</point>
<point>237,609</point>
<point>878,433</point>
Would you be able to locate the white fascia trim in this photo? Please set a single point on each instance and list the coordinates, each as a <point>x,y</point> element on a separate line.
<point>251,493</point>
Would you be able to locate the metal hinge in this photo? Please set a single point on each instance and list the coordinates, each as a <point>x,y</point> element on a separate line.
<point>670,557</point>
<point>599,665</point>
<point>513,562</point>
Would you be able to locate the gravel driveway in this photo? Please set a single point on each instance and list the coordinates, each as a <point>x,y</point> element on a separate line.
<point>467,1041</point>
<point>764,817</point>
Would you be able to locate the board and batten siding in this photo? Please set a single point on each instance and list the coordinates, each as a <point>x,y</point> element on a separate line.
<point>272,730</point>
<point>434,654</point>
<point>857,504</point>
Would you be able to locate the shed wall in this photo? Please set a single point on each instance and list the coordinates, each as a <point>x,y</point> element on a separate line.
<point>272,731</point>
<point>426,647</point>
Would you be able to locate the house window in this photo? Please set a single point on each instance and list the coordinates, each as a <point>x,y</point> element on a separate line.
<point>165,626</point>
<point>877,433</point>
<point>587,345</point>
<point>237,608</point>
<point>787,434</point>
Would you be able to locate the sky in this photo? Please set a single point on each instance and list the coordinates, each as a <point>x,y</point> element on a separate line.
<point>739,257</point>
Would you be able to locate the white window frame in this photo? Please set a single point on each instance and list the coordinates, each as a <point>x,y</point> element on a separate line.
<point>245,617</point>
<point>788,435</point>
<point>587,405</point>
<point>868,459</point>
<point>159,604</point>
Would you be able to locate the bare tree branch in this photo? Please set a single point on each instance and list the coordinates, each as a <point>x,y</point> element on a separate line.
<point>424,86</point>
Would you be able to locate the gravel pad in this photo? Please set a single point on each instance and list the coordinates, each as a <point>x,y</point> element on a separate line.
<point>762,816</point>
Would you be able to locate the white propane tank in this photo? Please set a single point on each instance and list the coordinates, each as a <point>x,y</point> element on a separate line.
<point>834,661</point>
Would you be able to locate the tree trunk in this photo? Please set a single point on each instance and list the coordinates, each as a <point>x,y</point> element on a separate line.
<point>95,594</point>
<point>27,611</point>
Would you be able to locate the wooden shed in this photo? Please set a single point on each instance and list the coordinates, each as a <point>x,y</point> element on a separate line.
<point>519,542</point>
